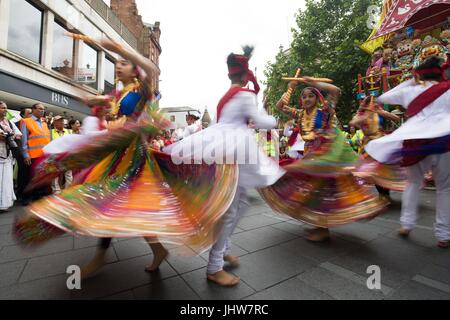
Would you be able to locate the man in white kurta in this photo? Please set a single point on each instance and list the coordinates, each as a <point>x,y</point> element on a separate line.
<point>431,122</point>
<point>232,142</point>
<point>236,112</point>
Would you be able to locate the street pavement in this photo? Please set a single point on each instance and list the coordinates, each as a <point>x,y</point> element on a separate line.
<point>276,262</point>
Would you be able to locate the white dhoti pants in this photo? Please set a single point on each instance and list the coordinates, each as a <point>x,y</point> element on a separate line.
<point>440,166</point>
<point>228,223</point>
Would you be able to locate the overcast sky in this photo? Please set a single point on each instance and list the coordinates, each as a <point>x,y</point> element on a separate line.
<point>197,36</point>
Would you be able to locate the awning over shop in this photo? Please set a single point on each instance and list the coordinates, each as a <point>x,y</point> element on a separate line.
<point>401,11</point>
<point>398,14</point>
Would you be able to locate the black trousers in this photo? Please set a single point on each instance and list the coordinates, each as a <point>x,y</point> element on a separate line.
<point>383,191</point>
<point>105,243</point>
<point>22,172</point>
<point>36,193</point>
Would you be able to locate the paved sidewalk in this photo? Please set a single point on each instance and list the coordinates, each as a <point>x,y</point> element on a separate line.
<point>276,263</point>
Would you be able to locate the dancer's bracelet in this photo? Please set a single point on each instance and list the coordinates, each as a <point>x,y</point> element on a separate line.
<point>287,97</point>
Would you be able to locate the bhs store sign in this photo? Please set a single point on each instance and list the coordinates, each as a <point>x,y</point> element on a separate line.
<point>60,99</point>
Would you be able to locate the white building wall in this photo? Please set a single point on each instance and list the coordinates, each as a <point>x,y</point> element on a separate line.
<point>4,23</point>
<point>79,15</point>
<point>180,118</point>
<point>17,65</point>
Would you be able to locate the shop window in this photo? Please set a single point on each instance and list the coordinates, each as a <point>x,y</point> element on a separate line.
<point>25,30</point>
<point>87,66</point>
<point>110,75</point>
<point>63,51</point>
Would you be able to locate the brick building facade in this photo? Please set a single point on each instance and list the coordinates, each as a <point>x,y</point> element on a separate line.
<point>148,35</point>
<point>48,67</point>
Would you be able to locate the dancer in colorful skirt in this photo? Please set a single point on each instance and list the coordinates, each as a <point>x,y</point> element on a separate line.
<point>231,141</point>
<point>370,118</point>
<point>320,189</point>
<point>421,143</point>
<point>130,190</point>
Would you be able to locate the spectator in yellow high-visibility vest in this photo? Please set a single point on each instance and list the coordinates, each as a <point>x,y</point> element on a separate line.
<point>57,132</point>
<point>264,139</point>
<point>270,149</point>
<point>354,138</point>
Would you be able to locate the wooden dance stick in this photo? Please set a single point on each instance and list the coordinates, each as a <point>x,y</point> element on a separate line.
<point>288,95</point>
<point>326,80</point>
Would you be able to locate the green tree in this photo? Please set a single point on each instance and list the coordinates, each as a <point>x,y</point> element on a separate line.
<point>325,44</point>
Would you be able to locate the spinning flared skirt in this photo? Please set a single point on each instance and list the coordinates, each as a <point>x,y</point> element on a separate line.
<point>130,191</point>
<point>389,176</point>
<point>328,156</point>
<point>320,189</point>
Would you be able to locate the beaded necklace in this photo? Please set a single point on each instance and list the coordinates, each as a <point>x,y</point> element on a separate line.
<point>308,122</point>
